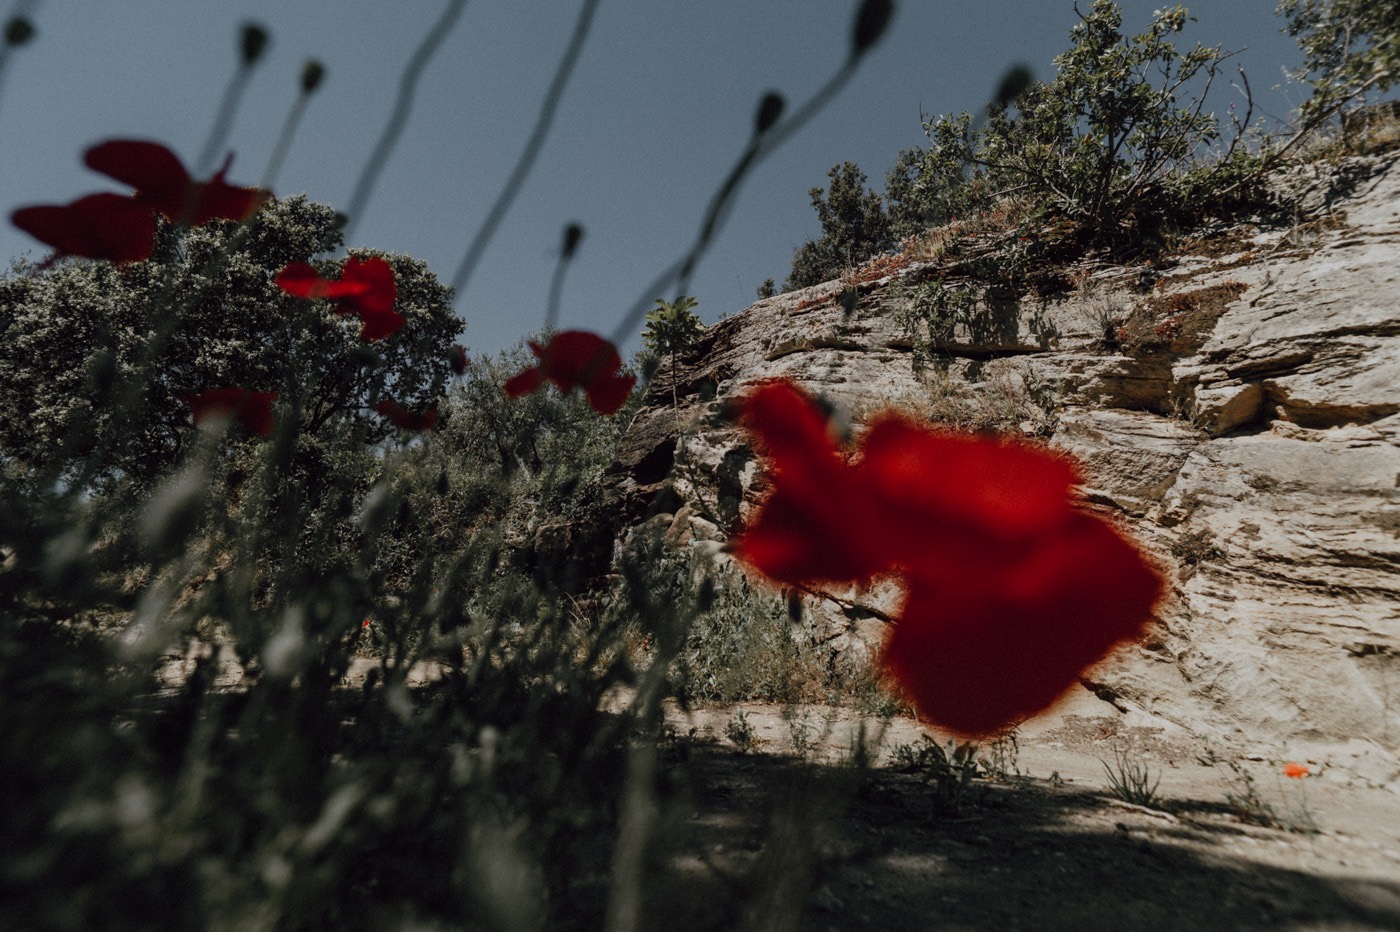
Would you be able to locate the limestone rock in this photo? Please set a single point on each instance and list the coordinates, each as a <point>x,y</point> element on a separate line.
<point>1252,444</point>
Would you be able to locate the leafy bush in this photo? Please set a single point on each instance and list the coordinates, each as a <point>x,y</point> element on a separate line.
<point>1113,142</point>
<point>94,358</point>
<point>1350,47</point>
<point>854,228</point>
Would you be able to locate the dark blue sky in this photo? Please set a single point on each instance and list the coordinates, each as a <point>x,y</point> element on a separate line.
<point>660,107</point>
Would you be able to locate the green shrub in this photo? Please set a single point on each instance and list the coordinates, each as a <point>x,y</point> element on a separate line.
<point>1350,48</point>
<point>1114,141</point>
<point>94,357</point>
<point>854,228</point>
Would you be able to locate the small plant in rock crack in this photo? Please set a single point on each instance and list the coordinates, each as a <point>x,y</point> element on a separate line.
<point>950,768</point>
<point>741,733</point>
<point>933,314</point>
<point>1131,780</point>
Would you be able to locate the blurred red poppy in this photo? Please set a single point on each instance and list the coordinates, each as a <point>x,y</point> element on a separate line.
<point>1011,591</point>
<point>991,640</point>
<point>404,418</point>
<point>819,524</point>
<point>577,359</point>
<point>99,226</point>
<point>251,409</point>
<point>366,288</point>
<point>161,181</point>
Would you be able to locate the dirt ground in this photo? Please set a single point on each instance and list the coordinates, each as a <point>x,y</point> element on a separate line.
<point>780,837</point>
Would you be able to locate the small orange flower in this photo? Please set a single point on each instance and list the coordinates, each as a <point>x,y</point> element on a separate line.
<point>1295,770</point>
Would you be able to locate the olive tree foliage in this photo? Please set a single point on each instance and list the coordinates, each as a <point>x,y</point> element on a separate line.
<point>1118,138</point>
<point>95,358</point>
<point>924,188</point>
<point>854,228</point>
<point>526,472</point>
<point>1350,47</point>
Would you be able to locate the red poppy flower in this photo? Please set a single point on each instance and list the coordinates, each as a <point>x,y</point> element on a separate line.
<point>99,226</point>
<point>162,182</point>
<point>577,359</point>
<point>251,409</point>
<point>995,642</point>
<point>404,418</point>
<point>1012,592</point>
<point>819,524</point>
<point>366,288</point>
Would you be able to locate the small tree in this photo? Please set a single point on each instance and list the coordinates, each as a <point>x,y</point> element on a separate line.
<point>854,228</point>
<point>672,327</point>
<point>75,335</point>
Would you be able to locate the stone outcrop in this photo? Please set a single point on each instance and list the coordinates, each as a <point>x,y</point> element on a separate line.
<point>1239,410</point>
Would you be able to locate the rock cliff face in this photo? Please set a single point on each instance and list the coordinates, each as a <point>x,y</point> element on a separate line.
<point>1239,409</point>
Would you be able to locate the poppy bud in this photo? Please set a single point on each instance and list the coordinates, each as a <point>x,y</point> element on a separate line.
<point>794,606</point>
<point>769,110</point>
<point>1013,84</point>
<point>850,298</point>
<point>871,22</point>
<point>252,42</point>
<point>457,359</point>
<point>312,73</point>
<point>573,235</point>
<point>18,31</point>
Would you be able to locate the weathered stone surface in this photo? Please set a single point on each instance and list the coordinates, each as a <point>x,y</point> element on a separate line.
<point>1256,457</point>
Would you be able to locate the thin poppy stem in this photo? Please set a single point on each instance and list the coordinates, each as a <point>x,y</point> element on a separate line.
<point>223,123</point>
<point>533,145</point>
<point>573,235</point>
<point>556,292</point>
<point>759,147</point>
<point>253,42</point>
<point>408,86</point>
<point>284,141</point>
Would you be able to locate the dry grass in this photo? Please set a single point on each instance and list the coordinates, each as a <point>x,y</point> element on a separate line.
<point>1005,401</point>
<point>1178,322</point>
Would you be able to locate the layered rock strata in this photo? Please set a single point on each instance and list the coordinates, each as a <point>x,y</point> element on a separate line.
<point>1237,408</point>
